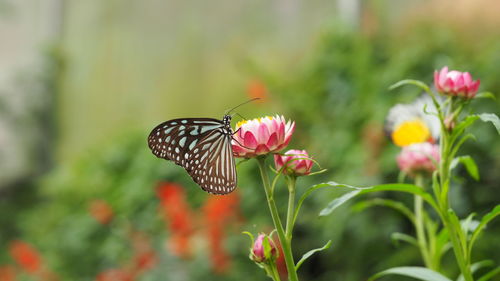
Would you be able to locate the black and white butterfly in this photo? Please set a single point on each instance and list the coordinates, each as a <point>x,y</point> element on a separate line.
<point>202,146</point>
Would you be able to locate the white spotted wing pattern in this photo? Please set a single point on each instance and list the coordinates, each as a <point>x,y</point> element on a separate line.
<point>202,146</point>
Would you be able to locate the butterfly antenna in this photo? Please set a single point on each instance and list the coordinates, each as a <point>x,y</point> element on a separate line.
<point>241,116</point>
<point>254,99</point>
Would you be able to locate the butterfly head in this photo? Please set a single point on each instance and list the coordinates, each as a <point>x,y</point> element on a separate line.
<point>227,121</point>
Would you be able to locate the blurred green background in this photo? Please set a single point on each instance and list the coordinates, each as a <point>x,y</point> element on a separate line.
<point>83,83</point>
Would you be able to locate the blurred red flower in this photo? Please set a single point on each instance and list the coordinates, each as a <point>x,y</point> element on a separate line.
<point>144,257</point>
<point>178,215</point>
<point>7,273</point>
<point>115,274</point>
<point>219,211</point>
<point>25,255</point>
<point>256,89</point>
<point>101,211</point>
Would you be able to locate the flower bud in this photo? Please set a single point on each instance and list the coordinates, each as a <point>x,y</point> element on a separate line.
<point>419,158</point>
<point>455,83</point>
<point>295,162</point>
<point>263,249</point>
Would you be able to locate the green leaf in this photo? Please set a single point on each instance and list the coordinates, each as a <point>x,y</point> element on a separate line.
<point>402,187</point>
<point>442,242</point>
<point>398,236</point>
<point>311,252</point>
<point>485,220</point>
<point>490,117</point>
<point>490,274</point>
<point>485,95</point>
<point>456,221</point>
<point>314,188</point>
<point>408,188</point>
<point>398,206</point>
<point>469,120</point>
<point>417,83</point>
<point>475,267</point>
<point>469,163</point>
<point>267,248</point>
<point>338,202</point>
<point>420,273</point>
<point>251,237</point>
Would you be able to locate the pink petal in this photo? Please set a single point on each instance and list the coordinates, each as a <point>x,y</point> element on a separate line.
<point>436,81</point>
<point>467,78</point>
<point>249,140</point>
<point>474,86</point>
<point>281,132</point>
<point>238,150</point>
<point>443,75</point>
<point>262,134</point>
<point>289,133</point>
<point>261,149</point>
<point>448,85</point>
<point>272,141</point>
<point>459,82</point>
<point>278,162</point>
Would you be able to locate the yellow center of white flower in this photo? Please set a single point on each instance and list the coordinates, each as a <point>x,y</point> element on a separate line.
<point>259,120</point>
<point>409,132</point>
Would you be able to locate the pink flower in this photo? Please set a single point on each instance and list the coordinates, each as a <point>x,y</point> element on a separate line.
<point>259,253</point>
<point>262,136</point>
<point>455,83</point>
<point>419,158</point>
<point>296,162</point>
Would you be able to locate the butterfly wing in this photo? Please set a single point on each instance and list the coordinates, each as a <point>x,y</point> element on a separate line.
<point>212,163</point>
<point>175,139</point>
<point>201,146</point>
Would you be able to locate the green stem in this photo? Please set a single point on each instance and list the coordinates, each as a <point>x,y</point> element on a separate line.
<point>291,207</point>
<point>285,244</point>
<point>457,247</point>
<point>443,199</point>
<point>274,271</point>
<point>419,225</point>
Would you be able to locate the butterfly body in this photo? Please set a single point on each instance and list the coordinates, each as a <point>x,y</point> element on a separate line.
<point>202,146</point>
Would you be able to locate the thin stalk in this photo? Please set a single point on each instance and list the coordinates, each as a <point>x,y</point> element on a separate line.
<point>291,207</point>
<point>285,244</point>
<point>274,271</point>
<point>419,225</point>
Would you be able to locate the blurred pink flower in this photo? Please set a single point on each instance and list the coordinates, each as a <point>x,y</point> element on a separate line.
<point>295,162</point>
<point>261,136</point>
<point>455,83</point>
<point>419,158</point>
<point>258,252</point>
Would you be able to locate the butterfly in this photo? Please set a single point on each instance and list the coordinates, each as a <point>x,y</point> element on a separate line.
<point>202,146</point>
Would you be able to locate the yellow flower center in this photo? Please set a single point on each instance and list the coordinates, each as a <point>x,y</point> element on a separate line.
<point>259,119</point>
<point>241,123</point>
<point>414,131</point>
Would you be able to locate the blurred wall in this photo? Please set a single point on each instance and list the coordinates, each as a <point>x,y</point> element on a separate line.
<point>26,30</point>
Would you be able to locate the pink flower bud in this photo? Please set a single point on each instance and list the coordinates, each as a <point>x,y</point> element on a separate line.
<point>419,158</point>
<point>295,162</point>
<point>455,83</point>
<point>259,253</point>
<point>261,136</point>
